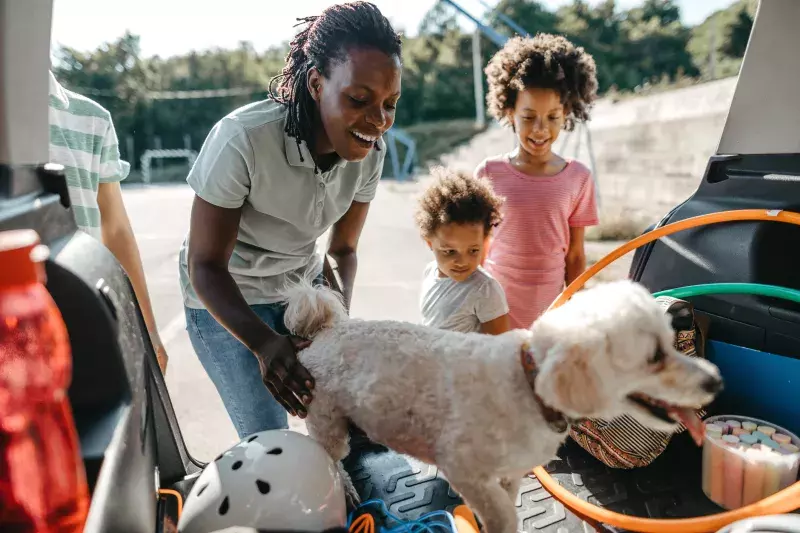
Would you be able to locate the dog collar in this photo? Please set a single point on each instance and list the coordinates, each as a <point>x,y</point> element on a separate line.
<point>555,419</point>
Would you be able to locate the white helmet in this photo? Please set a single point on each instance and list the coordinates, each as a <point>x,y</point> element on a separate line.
<point>273,480</point>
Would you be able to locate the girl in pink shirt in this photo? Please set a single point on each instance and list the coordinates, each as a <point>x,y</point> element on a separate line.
<point>539,86</point>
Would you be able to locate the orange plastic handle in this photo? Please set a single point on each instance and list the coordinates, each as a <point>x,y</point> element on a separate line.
<point>170,492</point>
<point>784,501</point>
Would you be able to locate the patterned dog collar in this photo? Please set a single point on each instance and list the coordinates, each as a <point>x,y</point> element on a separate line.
<point>555,419</point>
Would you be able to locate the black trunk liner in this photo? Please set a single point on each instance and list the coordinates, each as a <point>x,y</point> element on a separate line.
<point>668,488</point>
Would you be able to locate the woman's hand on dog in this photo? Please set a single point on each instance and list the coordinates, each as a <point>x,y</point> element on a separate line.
<point>286,379</point>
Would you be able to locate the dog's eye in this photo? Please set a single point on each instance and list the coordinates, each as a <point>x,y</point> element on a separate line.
<point>657,358</point>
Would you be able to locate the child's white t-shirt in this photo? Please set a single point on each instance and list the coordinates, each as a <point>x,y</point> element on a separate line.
<point>460,305</point>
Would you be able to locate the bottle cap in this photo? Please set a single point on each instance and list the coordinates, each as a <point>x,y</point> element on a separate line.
<point>22,257</point>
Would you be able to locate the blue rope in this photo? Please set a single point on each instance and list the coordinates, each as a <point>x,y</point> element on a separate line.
<point>419,525</point>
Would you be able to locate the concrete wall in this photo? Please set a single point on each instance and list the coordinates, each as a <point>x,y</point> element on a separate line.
<point>650,152</point>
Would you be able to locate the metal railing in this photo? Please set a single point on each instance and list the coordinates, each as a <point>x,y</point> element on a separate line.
<point>401,170</point>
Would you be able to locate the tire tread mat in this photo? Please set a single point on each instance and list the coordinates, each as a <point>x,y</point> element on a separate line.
<point>668,488</point>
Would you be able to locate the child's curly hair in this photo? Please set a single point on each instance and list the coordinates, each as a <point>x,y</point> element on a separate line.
<point>546,62</point>
<point>457,198</point>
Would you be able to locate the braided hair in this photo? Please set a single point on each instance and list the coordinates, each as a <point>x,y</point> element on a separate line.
<point>323,42</point>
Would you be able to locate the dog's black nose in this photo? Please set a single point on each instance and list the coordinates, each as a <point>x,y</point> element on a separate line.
<point>712,385</point>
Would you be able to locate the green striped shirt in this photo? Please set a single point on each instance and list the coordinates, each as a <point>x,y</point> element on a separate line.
<point>83,139</point>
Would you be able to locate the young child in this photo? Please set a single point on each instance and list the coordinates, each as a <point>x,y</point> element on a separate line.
<point>539,86</point>
<point>455,217</point>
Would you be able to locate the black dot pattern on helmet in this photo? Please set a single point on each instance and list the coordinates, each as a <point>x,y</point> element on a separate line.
<point>275,451</point>
<point>263,486</point>
<point>237,465</point>
<point>251,439</point>
<point>224,506</point>
<point>203,488</point>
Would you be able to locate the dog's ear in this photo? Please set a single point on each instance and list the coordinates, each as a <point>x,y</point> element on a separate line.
<point>567,382</point>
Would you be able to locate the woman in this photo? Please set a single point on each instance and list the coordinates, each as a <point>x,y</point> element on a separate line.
<point>270,179</point>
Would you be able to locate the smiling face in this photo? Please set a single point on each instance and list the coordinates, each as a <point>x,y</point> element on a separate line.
<point>356,101</point>
<point>609,352</point>
<point>538,118</point>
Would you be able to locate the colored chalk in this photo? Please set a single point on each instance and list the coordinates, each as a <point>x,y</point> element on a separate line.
<point>780,438</point>
<point>748,439</point>
<point>744,462</point>
<point>715,470</point>
<point>773,472</point>
<point>713,435</point>
<point>733,474</point>
<point>760,436</point>
<point>767,430</point>
<point>753,476</point>
<point>791,464</point>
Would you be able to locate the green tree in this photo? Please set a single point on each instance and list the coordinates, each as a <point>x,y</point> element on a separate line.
<point>738,34</point>
<point>630,47</point>
<point>657,41</point>
<point>532,16</point>
<point>728,44</point>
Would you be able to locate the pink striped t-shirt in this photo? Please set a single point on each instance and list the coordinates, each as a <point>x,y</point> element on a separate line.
<point>528,250</point>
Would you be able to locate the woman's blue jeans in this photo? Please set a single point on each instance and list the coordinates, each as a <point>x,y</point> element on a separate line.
<point>234,369</point>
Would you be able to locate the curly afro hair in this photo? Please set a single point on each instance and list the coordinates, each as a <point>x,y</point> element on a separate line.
<point>457,198</point>
<point>544,62</point>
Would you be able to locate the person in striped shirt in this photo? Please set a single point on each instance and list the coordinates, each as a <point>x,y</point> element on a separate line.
<point>83,140</point>
<point>539,86</point>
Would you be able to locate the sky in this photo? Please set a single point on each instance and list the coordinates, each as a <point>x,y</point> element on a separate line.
<point>170,27</point>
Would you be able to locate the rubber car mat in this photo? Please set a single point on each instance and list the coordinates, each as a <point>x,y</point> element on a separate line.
<point>668,488</point>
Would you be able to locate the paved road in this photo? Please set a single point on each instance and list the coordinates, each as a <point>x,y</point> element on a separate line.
<point>391,258</point>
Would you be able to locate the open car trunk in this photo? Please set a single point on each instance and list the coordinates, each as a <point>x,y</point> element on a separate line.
<point>754,340</point>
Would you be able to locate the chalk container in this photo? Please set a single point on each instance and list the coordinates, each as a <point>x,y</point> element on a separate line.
<point>748,465</point>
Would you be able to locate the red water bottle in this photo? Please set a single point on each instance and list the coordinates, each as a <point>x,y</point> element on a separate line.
<point>42,479</point>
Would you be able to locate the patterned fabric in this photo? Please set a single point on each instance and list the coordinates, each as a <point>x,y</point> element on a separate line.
<point>83,140</point>
<point>623,442</point>
<point>555,419</point>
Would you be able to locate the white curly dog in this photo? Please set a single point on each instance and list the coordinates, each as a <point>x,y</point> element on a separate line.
<point>486,409</point>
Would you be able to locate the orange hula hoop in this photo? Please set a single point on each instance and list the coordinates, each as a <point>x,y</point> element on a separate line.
<point>784,501</point>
